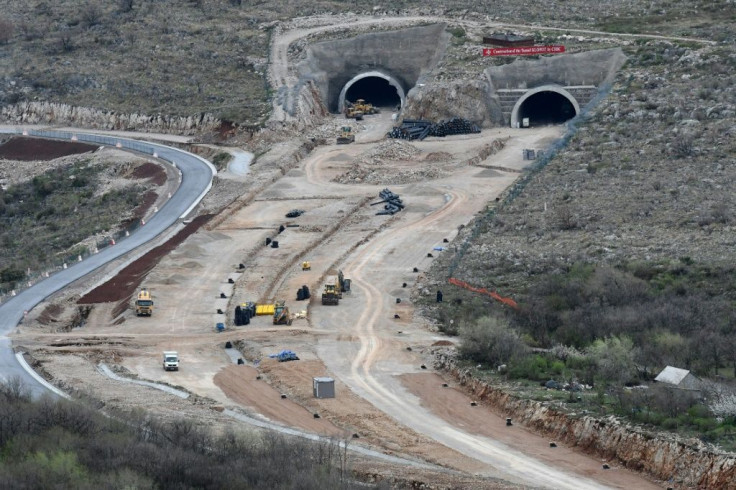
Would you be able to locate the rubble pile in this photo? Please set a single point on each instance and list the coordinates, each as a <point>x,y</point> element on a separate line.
<point>388,150</point>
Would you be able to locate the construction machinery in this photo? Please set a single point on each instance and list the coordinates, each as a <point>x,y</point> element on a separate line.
<point>351,112</point>
<point>364,107</point>
<point>144,303</point>
<point>171,360</point>
<point>335,286</point>
<point>306,266</point>
<point>346,136</point>
<point>281,314</point>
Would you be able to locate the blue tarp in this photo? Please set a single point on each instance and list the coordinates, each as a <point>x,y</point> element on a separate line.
<point>285,352</point>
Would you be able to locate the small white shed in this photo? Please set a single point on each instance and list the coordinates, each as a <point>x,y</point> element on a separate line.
<point>679,378</point>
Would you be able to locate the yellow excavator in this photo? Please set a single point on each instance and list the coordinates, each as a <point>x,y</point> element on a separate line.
<point>346,136</point>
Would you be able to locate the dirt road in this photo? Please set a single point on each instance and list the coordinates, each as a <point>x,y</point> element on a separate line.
<point>369,365</point>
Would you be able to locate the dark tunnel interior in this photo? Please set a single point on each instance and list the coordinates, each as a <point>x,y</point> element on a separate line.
<point>374,90</point>
<point>545,108</point>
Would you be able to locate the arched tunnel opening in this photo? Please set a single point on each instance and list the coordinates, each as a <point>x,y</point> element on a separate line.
<point>374,90</point>
<point>545,108</point>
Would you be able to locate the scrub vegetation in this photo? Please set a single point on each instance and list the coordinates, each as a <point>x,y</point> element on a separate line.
<point>60,444</point>
<point>42,219</point>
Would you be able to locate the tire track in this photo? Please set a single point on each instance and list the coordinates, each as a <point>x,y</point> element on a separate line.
<point>510,464</point>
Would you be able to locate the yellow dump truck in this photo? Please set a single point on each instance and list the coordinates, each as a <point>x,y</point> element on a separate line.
<point>144,303</point>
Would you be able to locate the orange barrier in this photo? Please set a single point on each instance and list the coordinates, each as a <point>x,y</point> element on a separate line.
<point>507,301</point>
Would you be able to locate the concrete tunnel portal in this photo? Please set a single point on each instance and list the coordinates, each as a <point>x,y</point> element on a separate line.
<point>379,89</point>
<point>543,106</point>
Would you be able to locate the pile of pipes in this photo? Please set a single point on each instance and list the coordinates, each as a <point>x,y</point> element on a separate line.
<point>416,129</point>
<point>455,125</point>
<point>392,202</point>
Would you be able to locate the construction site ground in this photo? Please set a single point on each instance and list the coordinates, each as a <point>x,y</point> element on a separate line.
<point>384,398</point>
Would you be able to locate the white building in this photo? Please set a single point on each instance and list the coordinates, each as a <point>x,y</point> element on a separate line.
<point>679,378</point>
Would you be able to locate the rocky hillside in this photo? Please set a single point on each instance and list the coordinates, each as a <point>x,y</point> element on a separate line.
<point>189,58</point>
<point>648,177</point>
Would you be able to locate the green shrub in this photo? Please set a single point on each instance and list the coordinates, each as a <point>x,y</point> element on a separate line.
<point>670,424</point>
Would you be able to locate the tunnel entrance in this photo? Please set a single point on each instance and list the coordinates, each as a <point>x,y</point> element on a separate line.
<point>543,106</point>
<point>374,90</point>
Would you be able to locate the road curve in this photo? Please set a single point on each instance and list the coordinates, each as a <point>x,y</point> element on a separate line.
<point>196,181</point>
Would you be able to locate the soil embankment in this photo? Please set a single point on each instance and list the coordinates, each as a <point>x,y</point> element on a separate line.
<point>689,463</point>
<point>124,284</point>
<point>30,149</point>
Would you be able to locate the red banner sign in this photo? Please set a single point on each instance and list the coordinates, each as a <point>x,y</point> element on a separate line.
<point>523,50</point>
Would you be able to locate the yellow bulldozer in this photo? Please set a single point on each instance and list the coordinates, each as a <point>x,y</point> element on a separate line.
<point>335,287</point>
<point>346,136</point>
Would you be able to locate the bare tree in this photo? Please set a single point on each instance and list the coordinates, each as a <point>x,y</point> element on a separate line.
<point>125,5</point>
<point>92,14</point>
<point>565,217</point>
<point>6,31</point>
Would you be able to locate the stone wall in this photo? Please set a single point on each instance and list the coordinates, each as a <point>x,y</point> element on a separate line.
<point>663,456</point>
<point>84,117</point>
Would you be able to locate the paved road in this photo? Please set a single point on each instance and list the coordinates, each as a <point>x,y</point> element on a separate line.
<point>196,181</point>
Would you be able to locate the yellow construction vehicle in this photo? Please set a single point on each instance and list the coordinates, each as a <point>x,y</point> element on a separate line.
<point>352,112</point>
<point>335,286</point>
<point>281,314</point>
<point>144,303</point>
<point>346,136</point>
<point>306,266</point>
<point>331,294</point>
<point>364,107</point>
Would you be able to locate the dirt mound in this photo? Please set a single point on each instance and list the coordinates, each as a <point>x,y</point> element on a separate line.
<point>125,283</point>
<point>442,342</point>
<point>437,156</point>
<point>28,149</point>
<point>388,150</point>
<point>151,171</point>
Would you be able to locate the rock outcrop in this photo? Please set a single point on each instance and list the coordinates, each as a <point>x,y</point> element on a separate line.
<point>471,100</point>
<point>84,117</point>
<point>666,457</point>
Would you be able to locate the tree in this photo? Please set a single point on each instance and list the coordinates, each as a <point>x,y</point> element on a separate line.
<point>614,359</point>
<point>491,340</point>
<point>92,14</point>
<point>125,5</point>
<point>6,31</point>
